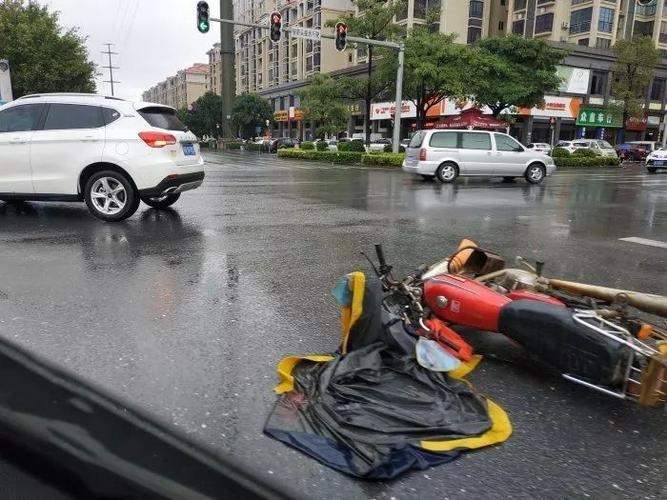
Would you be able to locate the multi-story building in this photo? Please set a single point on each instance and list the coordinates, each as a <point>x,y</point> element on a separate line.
<point>215,69</point>
<point>588,29</point>
<point>182,89</point>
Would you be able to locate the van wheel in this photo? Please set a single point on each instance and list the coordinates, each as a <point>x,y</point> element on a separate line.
<point>447,172</point>
<point>111,196</point>
<point>162,201</point>
<point>652,170</point>
<point>535,173</point>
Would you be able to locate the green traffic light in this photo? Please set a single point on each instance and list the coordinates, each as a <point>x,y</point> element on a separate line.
<point>204,26</point>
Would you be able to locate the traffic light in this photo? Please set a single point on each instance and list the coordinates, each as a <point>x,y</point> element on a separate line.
<point>276,24</point>
<point>203,23</point>
<point>341,36</point>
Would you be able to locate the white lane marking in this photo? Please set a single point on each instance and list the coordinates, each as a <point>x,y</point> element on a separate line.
<point>644,241</point>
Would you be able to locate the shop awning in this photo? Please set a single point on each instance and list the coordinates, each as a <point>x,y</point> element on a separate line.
<point>469,118</point>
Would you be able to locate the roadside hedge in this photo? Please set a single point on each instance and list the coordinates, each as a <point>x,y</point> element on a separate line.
<point>322,146</point>
<point>341,157</point>
<point>233,145</point>
<point>307,145</point>
<point>584,161</point>
<point>345,157</point>
<point>560,153</point>
<point>584,153</point>
<point>383,159</point>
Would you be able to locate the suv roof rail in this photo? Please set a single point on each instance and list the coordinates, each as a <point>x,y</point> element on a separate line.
<point>69,94</point>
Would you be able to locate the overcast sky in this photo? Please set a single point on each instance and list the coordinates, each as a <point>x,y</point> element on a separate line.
<point>154,38</point>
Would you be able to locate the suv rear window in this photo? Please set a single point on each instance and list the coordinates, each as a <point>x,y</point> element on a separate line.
<point>162,118</point>
<point>416,140</point>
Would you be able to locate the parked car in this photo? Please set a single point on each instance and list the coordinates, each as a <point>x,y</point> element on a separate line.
<point>540,147</point>
<point>650,146</point>
<point>567,145</point>
<point>379,144</point>
<point>450,154</point>
<point>106,151</point>
<point>632,152</point>
<point>282,142</point>
<point>332,143</point>
<point>656,160</point>
<point>600,147</point>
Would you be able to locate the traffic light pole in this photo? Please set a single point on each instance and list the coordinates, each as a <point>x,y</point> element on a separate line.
<point>228,77</point>
<point>392,45</point>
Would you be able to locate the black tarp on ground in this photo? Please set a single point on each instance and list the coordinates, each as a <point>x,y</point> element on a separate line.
<point>375,412</point>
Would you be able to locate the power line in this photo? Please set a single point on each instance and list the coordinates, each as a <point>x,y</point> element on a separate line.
<point>111,67</point>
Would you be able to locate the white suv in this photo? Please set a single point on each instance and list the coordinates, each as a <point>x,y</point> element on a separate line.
<point>105,151</point>
<point>447,154</point>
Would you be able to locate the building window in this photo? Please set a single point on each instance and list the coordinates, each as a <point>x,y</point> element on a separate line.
<point>580,20</point>
<point>643,28</point>
<point>474,34</point>
<point>577,2</point>
<point>420,8</point>
<point>519,5</point>
<point>403,13</point>
<point>518,27</point>
<point>544,23</point>
<point>606,21</point>
<point>657,89</point>
<point>602,43</point>
<point>476,9</point>
<point>501,25</point>
<point>663,31</point>
<point>583,41</point>
<point>598,82</point>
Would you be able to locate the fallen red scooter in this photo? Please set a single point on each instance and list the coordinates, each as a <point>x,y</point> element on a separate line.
<point>576,340</point>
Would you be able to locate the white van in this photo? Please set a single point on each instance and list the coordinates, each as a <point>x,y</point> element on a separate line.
<point>447,154</point>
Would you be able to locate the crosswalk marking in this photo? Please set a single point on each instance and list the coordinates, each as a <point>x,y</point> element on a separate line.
<point>644,241</point>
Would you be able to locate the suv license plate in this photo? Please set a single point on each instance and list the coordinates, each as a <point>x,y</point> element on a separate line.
<point>189,149</point>
<point>658,163</point>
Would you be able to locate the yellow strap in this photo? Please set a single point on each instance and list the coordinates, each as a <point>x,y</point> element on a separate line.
<point>356,281</point>
<point>286,366</point>
<point>466,367</point>
<point>501,430</point>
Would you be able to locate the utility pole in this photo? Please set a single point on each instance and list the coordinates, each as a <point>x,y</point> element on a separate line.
<point>228,77</point>
<point>111,67</point>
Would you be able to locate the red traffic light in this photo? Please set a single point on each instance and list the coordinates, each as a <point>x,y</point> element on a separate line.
<point>341,36</point>
<point>276,20</point>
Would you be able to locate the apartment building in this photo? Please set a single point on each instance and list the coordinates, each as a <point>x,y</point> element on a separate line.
<point>181,89</point>
<point>588,29</point>
<point>215,69</point>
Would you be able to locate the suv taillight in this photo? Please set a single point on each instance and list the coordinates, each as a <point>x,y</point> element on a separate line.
<point>422,154</point>
<point>157,139</point>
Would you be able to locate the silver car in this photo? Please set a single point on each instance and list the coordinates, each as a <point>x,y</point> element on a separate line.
<point>452,153</point>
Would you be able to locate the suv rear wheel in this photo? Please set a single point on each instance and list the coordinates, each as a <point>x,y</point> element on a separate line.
<point>447,172</point>
<point>161,201</point>
<point>110,196</point>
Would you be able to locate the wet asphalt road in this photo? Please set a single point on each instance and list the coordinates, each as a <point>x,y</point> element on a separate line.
<point>186,312</point>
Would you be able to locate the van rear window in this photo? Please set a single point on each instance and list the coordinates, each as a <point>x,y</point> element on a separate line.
<point>162,118</point>
<point>417,139</point>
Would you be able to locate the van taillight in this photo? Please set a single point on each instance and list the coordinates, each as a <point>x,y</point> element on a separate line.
<point>157,139</point>
<point>422,154</point>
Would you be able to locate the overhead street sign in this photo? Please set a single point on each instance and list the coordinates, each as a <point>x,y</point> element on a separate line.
<point>309,33</point>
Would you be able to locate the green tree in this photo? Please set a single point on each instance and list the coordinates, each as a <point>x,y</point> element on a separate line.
<point>43,57</point>
<point>633,70</point>
<point>513,71</point>
<point>249,112</point>
<point>322,102</point>
<point>435,68</point>
<point>205,115</point>
<point>374,20</point>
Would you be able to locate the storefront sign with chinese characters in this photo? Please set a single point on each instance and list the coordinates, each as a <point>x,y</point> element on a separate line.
<point>599,117</point>
<point>293,114</point>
